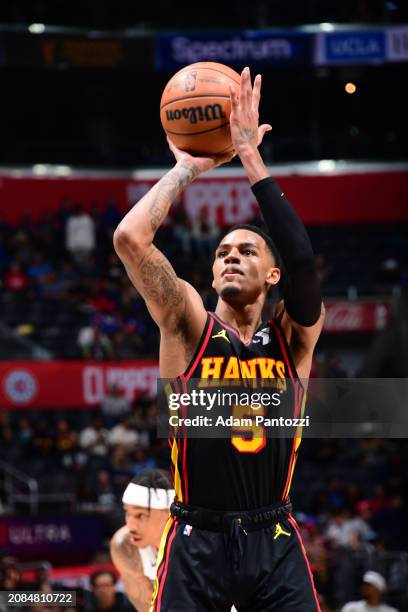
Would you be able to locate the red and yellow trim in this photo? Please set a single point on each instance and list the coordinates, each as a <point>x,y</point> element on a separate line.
<point>162,563</point>
<point>299,537</point>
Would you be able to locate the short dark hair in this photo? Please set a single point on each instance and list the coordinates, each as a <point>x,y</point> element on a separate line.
<point>257,230</point>
<point>153,479</point>
<point>95,575</point>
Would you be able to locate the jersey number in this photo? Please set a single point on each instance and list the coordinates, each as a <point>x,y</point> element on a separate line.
<point>240,438</point>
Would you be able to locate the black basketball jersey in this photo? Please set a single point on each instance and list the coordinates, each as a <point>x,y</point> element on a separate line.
<point>240,472</point>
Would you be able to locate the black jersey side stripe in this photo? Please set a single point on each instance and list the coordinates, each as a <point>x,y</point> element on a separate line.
<point>297,403</point>
<point>284,350</point>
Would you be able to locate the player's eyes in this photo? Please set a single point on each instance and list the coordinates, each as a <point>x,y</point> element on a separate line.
<point>249,252</point>
<point>222,253</point>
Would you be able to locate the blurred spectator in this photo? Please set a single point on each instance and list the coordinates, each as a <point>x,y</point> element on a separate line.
<point>42,441</point>
<point>80,235</point>
<point>127,345</point>
<point>124,434</point>
<point>121,468</point>
<point>94,439</point>
<point>104,493</point>
<point>10,575</point>
<point>51,288</point>
<point>142,462</point>
<point>139,422</point>
<point>333,367</point>
<point>89,268</point>
<point>24,431</point>
<point>348,531</point>
<point>205,235</point>
<point>114,268</point>
<point>114,405</point>
<point>104,594</point>
<point>322,269</point>
<point>67,275</point>
<point>323,603</point>
<point>39,268</point>
<point>16,279</point>
<point>64,212</point>
<point>21,246</point>
<point>9,448</point>
<point>65,442</point>
<point>111,217</point>
<point>99,301</point>
<point>94,343</point>
<point>372,590</point>
<point>182,229</point>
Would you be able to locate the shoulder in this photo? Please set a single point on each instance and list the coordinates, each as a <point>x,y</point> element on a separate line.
<point>354,606</point>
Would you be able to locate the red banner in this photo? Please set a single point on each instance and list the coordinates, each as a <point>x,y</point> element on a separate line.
<point>71,384</point>
<point>356,317</point>
<point>341,198</point>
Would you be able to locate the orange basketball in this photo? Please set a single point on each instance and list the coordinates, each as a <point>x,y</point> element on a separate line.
<point>195,107</point>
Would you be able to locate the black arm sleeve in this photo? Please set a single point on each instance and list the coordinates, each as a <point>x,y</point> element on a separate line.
<point>301,293</point>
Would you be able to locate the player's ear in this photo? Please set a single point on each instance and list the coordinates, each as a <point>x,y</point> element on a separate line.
<point>273,276</point>
<point>213,283</point>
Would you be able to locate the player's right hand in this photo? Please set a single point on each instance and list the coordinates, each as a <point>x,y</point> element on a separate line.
<point>246,132</point>
<point>200,164</point>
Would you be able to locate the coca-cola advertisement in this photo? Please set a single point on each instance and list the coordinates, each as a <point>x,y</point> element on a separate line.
<point>356,317</point>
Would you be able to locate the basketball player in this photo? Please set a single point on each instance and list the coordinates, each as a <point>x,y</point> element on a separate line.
<point>231,538</point>
<point>134,546</point>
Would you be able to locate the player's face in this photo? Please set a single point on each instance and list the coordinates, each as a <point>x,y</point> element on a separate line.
<point>145,526</point>
<point>243,267</point>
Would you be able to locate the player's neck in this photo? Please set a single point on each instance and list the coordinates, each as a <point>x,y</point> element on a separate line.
<point>245,319</point>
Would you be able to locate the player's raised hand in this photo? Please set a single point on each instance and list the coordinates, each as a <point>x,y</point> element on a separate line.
<point>244,119</point>
<point>200,164</point>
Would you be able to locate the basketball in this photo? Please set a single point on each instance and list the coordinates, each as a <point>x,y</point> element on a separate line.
<point>195,108</point>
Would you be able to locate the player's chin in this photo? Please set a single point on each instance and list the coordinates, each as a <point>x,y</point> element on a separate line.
<point>231,290</point>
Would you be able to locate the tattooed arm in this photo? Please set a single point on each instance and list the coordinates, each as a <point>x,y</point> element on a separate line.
<point>127,560</point>
<point>169,299</point>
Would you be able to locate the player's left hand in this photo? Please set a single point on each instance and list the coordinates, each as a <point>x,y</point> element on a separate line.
<point>246,132</point>
<point>203,164</point>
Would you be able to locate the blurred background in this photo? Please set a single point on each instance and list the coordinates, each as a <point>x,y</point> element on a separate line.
<point>81,141</point>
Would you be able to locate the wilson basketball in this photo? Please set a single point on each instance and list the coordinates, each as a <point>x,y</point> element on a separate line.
<point>195,108</point>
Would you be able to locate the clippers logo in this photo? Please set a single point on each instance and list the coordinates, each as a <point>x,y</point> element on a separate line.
<point>20,386</point>
<point>190,81</point>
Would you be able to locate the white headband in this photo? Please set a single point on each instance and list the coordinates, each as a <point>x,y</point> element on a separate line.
<point>136,495</point>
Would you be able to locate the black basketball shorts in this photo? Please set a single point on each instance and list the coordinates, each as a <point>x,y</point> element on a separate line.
<point>255,568</point>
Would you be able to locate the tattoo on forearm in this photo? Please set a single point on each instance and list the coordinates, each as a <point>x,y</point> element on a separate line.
<point>168,189</point>
<point>248,133</point>
<point>157,279</point>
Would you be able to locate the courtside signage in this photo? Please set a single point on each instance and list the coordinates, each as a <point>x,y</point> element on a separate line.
<point>397,44</point>
<point>255,48</point>
<point>351,47</point>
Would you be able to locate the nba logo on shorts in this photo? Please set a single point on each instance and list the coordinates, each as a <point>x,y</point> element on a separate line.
<point>187,530</point>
